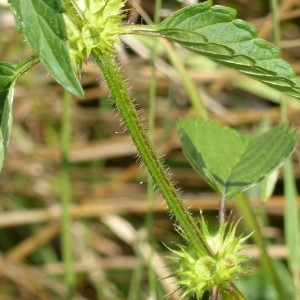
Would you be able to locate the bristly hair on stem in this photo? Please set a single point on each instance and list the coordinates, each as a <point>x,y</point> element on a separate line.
<point>195,235</point>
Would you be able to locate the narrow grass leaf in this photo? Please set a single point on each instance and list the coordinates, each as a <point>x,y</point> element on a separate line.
<point>43,25</point>
<point>231,162</point>
<point>214,32</point>
<point>291,219</point>
<point>7,80</point>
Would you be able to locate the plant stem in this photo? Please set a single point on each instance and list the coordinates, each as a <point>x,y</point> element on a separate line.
<point>222,210</point>
<point>244,206</point>
<point>129,114</point>
<point>275,20</point>
<point>214,293</point>
<point>151,130</point>
<point>119,91</point>
<point>66,240</point>
<point>187,82</point>
<point>291,224</point>
<point>291,210</point>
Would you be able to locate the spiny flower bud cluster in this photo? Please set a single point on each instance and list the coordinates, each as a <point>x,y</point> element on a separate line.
<point>198,272</point>
<point>99,27</point>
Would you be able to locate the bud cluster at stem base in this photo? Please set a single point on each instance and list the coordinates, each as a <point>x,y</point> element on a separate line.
<point>198,272</point>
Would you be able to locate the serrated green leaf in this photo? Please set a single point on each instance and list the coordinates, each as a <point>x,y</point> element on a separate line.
<point>231,162</point>
<point>264,189</point>
<point>43,25</point>
<point>264,154</point>
<point>214,32</point>
<point>7,80</point>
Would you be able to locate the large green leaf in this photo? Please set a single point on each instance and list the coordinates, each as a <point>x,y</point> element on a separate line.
<point>232,162</point>
<point>214,32</point>
<point>43,25</point>
<point>7,79</point>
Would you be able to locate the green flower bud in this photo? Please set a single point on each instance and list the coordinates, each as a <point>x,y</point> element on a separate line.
<point>197,272</point>
<point>99,28</point>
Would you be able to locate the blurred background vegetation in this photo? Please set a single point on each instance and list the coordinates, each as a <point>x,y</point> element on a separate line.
<point>118,235</point>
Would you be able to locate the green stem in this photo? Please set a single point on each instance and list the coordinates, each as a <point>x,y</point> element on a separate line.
<point>187,82</point>
<point>66,190</point>
<point>150,30</point>
<point>127,110</point>
<point>119,91</point>
<point>276,24</point>
<point>151,130</point>
<point>244,206</point>
<point>291,224</point>
<point>222,210</point>
<point>291,210</point>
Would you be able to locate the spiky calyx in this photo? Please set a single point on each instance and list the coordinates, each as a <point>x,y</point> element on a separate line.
<point>198,272</point>
<point>93,24</point>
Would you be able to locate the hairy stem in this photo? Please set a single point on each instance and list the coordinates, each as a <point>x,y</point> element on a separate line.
<point>128,112</point>
<point>119,91</point>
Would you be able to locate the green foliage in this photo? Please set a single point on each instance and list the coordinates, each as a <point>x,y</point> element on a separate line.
<point>7,80</point>
<point>43,25</point>
<point>231,162</point>
<point>214,32</point>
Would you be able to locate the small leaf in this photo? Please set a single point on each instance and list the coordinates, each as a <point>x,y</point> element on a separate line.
<point>211,149</point>
<point>43,25</point>
<point>264,154</point>
<point>7,80</point>
<point>214,32</point>
<point>231,162</point>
